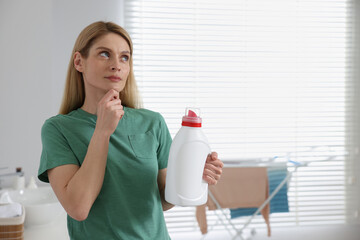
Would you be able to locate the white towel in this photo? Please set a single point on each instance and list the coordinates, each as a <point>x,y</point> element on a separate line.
<point>10,210</point>
<point>5,198</point>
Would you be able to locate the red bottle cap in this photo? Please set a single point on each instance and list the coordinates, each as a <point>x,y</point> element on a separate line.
<point>191,118</point>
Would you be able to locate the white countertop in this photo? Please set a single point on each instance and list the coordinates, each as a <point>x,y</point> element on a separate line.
<point>56,230</point>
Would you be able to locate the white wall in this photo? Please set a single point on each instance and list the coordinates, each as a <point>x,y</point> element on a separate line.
<point>36,40</point>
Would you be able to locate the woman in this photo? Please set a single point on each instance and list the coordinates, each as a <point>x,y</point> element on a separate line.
<point>104,157</point>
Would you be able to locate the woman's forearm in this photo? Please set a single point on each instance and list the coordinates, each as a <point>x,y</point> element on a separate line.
<point>78,188</point>
<point>86,184</point>
<point>165,205</point>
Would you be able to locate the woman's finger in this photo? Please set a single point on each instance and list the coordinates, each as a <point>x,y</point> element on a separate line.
<point>210,180</point>
<point>110,95</point>
<point>208,172</point>
<point>214,156</point>
<point>214,168</point>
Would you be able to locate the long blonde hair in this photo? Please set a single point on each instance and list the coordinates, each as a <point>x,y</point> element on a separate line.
<point>74,93</point>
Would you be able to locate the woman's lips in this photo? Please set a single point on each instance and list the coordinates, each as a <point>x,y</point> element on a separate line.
<point>114,78</point>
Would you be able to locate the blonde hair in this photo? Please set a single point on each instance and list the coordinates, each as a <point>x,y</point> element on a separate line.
<point>74,93</point>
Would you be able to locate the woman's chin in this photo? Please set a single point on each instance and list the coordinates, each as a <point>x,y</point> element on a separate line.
<point>117,87</point>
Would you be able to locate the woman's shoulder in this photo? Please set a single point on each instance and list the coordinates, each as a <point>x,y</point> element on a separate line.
<point>51,126</point>
<point>58,118</point>
<point>61,120</point>
<point>54,120</point>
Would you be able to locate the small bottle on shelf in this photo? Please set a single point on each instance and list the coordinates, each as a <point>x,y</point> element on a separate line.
<point>19,182</point>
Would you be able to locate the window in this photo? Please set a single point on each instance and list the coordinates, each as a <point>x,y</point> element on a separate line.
<point>272,78</point>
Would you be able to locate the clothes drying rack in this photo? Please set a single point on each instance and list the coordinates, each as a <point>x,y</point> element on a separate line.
<point>227,221</point>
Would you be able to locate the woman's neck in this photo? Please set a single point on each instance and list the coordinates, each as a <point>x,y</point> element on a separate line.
<point>91,101</point>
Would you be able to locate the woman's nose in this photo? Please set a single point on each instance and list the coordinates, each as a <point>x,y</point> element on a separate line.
<point>115,66</point>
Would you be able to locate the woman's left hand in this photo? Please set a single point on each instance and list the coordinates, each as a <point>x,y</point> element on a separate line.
<point>213,169</point>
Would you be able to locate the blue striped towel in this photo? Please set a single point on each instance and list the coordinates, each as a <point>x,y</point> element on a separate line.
<point>279,203</point>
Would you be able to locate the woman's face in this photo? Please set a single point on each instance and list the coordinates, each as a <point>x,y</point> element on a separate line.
<point>107,65</point>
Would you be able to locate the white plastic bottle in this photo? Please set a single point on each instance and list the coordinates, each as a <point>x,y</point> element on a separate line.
<point>19,182</point>
<point>188,153</point>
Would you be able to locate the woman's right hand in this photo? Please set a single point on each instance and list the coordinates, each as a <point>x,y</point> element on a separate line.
<point>109,112</point>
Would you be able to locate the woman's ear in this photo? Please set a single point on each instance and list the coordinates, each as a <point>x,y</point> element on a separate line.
<point>78,62</point>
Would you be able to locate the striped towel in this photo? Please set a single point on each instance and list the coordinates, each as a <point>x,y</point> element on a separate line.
<point>279,203</point>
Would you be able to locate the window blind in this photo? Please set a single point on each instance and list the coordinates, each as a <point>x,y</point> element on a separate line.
<point>272,79</point>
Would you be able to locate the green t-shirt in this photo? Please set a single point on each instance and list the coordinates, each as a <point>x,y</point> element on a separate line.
<point>128,206</point>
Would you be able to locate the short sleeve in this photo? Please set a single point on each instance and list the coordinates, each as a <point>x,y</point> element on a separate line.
<point>56,150</point>
<point>164,139</point>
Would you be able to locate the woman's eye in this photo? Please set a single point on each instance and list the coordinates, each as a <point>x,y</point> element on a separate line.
<point>105,54</point>
<point>125,58</point>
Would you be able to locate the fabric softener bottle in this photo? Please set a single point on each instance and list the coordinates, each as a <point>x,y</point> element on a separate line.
<point>188,153</point>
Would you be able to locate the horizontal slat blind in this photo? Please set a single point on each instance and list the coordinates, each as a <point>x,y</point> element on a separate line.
<point>272,78</point>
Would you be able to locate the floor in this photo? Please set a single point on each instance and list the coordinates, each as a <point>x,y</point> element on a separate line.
<point>58,231</point>
<point>334,232</point>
